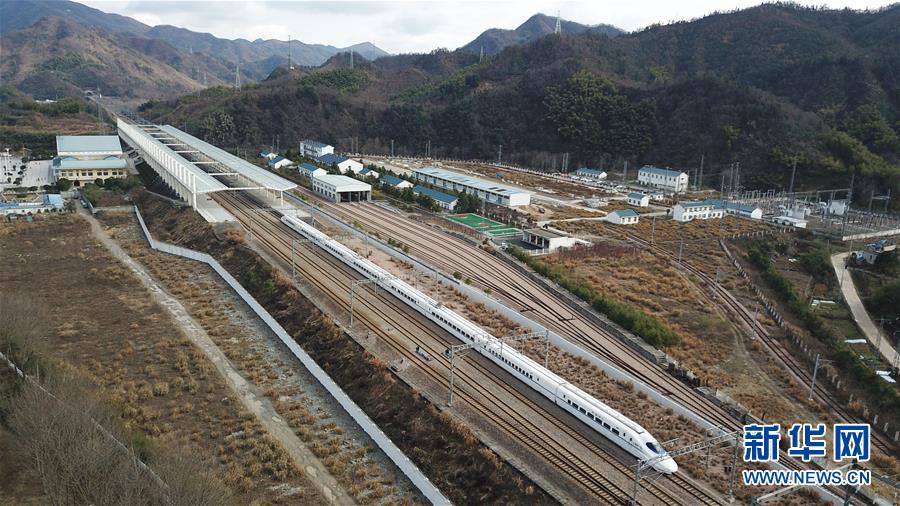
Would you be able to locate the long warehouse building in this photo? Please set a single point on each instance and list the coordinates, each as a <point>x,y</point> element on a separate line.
<point>486,190</point>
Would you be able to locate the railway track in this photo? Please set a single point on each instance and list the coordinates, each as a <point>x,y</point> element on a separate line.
<point>775,347</point>
<point>453,255</point>
<point>321,270</point>
<point>450,254</point>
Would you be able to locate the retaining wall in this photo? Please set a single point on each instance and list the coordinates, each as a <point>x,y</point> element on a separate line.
<point>406,466</point>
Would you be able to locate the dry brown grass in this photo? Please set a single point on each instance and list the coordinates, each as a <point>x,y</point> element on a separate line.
<point>208,300</point>
<point>108,330</point>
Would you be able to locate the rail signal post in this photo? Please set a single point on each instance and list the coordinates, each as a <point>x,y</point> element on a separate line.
<point>456,352</point>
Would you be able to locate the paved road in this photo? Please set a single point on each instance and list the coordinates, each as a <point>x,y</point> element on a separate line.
<point>860,315</point>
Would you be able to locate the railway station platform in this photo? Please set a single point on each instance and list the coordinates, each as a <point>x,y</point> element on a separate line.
<point>195,169</point>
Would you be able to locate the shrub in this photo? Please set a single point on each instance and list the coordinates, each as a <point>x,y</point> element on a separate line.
<point>653,330</point>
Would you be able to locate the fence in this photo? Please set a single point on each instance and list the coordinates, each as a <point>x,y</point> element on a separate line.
<point>406,466</point>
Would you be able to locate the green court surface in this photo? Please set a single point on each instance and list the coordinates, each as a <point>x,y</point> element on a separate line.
<point>485,225</point>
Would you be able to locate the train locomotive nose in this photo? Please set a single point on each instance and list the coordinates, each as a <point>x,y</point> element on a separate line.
<point>667,466</point>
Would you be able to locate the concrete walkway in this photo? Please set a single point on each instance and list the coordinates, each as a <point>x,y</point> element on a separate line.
<point>872,332</point>
<point>250,396</point>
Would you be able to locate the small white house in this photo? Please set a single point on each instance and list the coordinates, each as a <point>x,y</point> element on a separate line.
<point>368,173</point>
<point>548,239</point>
<point>268,155</point>
<point>739,209</point>
<point>343,163</point>
<point>623,217</point>
<point>590,173</point>
<point>789,221</point>
<point>638,199</point>
<point>689,211</point>
<point>309,170</point>
<point>395,181</point>
<point>279,162</point>
<point>315,149</point>
<point>667,179</point>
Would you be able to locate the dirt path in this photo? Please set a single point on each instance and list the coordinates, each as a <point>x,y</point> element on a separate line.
<point>860,315</point>
<point>252,399</point>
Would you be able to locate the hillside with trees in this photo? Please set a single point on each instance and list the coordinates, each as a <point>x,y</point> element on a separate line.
<point>763,86</point>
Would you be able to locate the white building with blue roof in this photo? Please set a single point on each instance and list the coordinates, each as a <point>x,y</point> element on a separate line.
<point>343,163</point>
<point>740,209</point>
<point>395,181</point>
<point>83,159</point>
<point>315,149</point>
<point>446,201</point>
<point>488,191</point>
<point>684,212</point>
<point>590,173</point>
<point>667,179</point>
<point>638,199</point>
<point>309,170</point>
<point>623,217</point>
<point>279,162</point>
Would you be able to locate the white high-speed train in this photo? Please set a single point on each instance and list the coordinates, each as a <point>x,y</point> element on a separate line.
<point>616,427</point>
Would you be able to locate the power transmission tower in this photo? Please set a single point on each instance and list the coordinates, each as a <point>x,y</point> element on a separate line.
<point>558,29</point>
<point>481,56</point>
<point>351,60</point>
<point>237,76</point>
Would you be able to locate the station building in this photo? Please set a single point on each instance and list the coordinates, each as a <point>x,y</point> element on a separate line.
<point>666,179</point>
<point>623,217</point>
<point>343,163</point>
<point>548,239</point>
<point>341,188</point>
<point>446,201</point>
<point>696,210</point>
<point>309,170</point>
<point>315,149</point>
<point>83,159</point>
<point>492,193</point>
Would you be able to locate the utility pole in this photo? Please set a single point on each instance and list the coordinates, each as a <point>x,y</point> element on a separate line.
<point>697,184</point>
<point>237,76</point>
<point>680,250</point>
<point>392,148</point>
<point>499,153</point>
<point>625,171</point>
<point>351,60</point>
<point>819,361</point>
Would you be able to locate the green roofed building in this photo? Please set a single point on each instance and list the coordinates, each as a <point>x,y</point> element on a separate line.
<point>86,158</point>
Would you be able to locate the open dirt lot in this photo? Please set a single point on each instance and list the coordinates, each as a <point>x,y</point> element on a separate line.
<point>102,327</point>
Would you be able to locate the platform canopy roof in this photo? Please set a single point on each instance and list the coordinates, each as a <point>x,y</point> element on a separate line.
<point>260,176</point>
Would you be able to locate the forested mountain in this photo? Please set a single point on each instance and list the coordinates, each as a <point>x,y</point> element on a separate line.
<point>540,25</point>
<point>258,58</point>
<point>759,86</point>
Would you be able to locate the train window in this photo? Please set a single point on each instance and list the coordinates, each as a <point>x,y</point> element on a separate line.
<point>615,431</point>
<point>655,449</point>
